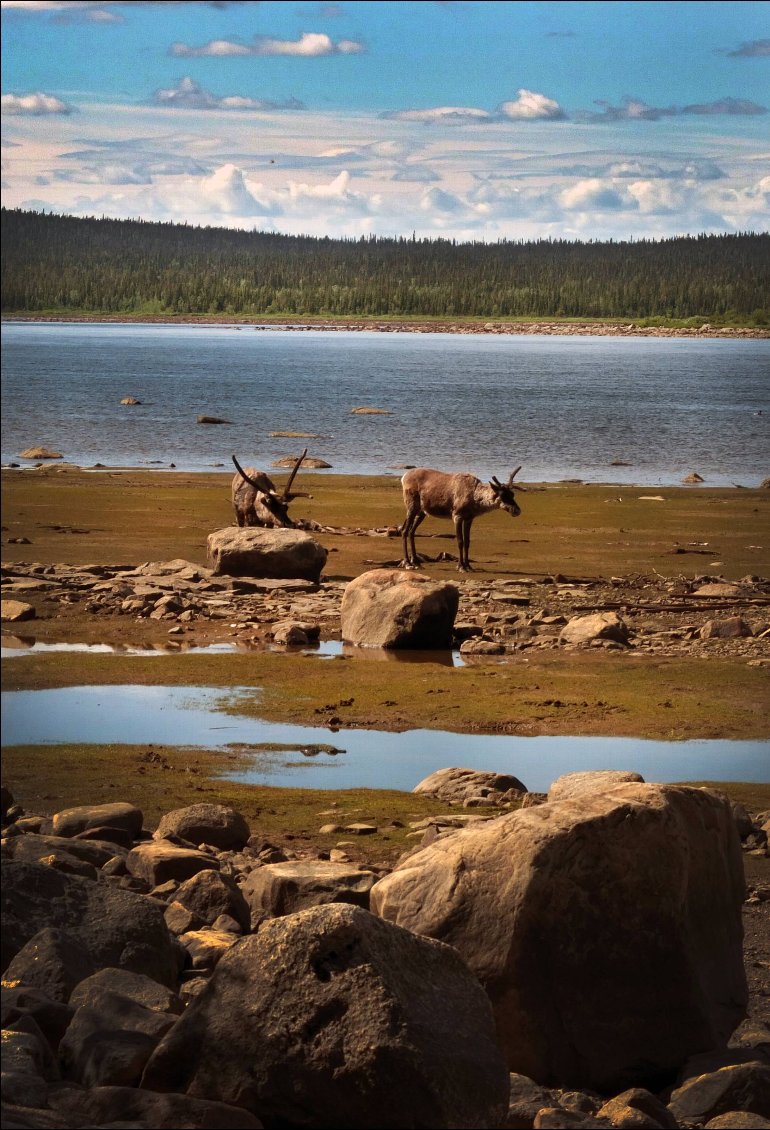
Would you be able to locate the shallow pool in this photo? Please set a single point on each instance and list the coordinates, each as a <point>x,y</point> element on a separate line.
<point>194,716</point>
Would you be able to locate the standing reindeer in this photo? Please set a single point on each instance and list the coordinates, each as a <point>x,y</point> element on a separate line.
<point>256,501</point>
<point>461,497</point>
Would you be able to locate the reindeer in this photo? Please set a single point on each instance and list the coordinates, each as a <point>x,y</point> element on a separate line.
<point>461,497</point>
<point>257,502</point>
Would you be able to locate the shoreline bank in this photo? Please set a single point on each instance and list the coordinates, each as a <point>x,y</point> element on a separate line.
<point>581,328</point>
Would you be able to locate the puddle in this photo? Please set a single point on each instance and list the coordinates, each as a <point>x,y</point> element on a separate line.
<point>17,646</point>
<point>194,716</point>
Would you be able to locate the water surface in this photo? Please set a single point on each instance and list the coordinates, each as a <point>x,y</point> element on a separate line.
<point>563,407</point>
<point>185,716</point>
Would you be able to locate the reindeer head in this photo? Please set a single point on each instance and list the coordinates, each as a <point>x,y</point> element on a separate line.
<point>504,495</point>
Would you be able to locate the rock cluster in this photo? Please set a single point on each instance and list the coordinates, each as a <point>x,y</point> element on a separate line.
<point>703,616</point>
<point>193,976</point>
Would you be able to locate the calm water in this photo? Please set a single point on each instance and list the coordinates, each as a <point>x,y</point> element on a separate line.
<point>192,716</point>
<point>564,407</point>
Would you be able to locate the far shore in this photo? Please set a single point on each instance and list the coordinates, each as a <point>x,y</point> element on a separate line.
<point>584,327</point>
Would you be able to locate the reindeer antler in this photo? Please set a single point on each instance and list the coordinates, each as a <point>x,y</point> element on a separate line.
<point>295,468</point>
<point>265,485</point>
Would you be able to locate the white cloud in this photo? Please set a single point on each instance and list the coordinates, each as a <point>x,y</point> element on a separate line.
<point>309,45</point>
<point>595,195</point>
<point>530,106</point>
<point>226,191</point>
<point>450,114</point>
<point>34,105</point>
<point>655,197</point>
<point>189,95</point>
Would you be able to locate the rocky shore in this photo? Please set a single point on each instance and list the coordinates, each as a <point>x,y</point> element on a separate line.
<point>704,616</point>
<point>585,328</point>
<point>195,975</point>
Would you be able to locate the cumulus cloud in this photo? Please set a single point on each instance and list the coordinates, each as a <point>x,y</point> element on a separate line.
<point>456,115</point>
<point>226,191</point>
<point>754,49</point>
<point>309,45</point>
<point>530,106</point>
<point>594,195</point>
<point>189,95</point>
<point>34,105</point>
<point>726,106</point>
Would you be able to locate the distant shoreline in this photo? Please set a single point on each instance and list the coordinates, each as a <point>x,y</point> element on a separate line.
<point>582,328</point>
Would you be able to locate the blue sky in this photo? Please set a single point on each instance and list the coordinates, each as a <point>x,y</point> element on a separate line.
<point>480,120</point>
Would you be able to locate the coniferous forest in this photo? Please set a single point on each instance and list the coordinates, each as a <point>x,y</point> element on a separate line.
<point>66,265</point>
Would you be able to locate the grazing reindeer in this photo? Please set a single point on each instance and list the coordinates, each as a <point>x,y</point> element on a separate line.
<point>461,497</point>
<point>257,502</point>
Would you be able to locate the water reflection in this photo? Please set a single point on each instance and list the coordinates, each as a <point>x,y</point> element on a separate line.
<point>376,759</point>
<point>15,646</point>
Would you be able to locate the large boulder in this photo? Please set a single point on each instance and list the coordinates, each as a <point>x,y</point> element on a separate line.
<point>214,824</point>
<point>606,929</point>
<point>331,1017</point>
<point>453,786</point>
<point>119,815</point>
<point>396,608</point>
<point>114,927</point>
<point>251,552</point>
<point>283,888</point>
<point>162,861</point>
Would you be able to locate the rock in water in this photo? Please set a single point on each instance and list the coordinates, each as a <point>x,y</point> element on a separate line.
<point>396,608</point>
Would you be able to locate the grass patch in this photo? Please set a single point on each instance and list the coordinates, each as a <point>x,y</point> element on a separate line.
<point>47,778</point>
<point>577,693</point>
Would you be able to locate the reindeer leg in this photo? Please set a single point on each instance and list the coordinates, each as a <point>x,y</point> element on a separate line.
<point>463,529</point>
<point>412,558</point>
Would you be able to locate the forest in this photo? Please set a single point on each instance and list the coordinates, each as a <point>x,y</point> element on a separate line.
<point>54,264</point>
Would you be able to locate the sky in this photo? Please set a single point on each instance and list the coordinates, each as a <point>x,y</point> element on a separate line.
<point>461,120</point>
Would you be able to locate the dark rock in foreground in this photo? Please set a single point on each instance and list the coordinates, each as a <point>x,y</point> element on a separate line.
<point>342,1020</point>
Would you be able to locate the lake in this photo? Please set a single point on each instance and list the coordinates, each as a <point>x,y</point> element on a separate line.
<point>374,759</point>
<point>563,407</point>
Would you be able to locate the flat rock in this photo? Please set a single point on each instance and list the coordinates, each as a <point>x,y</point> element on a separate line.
<point>251,552</point>
<point>571,785</point>
<point>283,888</point>
<point>159,861</point>
<point>454,786</point>
<point>214,824</point>
<point>120,815</point>
<point>12,611</point>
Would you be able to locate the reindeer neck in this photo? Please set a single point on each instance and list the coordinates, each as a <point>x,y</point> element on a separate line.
<point>484,497</point>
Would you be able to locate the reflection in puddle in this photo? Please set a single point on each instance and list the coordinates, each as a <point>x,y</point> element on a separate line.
<point>194,716</point>
<point>14,646</point>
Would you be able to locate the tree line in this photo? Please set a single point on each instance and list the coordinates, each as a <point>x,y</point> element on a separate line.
<point>66,264</point>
